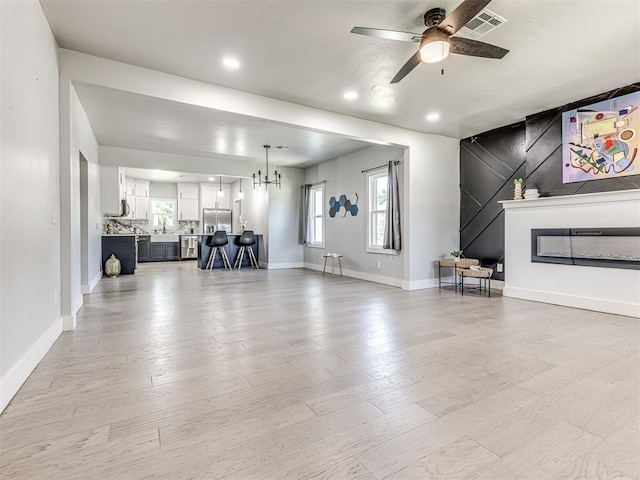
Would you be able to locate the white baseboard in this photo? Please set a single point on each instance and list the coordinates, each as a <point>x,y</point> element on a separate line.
<point>585,303</point>
<point>18,374</point>
<point>422,284</point>
<point>278,266</point>
<point>497,285</point>
<point>87,289</point>
<point>69,322</point>
<point>369,277</point>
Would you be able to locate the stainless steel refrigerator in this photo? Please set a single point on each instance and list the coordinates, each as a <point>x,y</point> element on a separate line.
<point>214,219</point>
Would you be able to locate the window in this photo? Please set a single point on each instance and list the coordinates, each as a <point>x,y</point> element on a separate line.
<point>377,206</point>
<point>316,216</point>
<point>163,213</point>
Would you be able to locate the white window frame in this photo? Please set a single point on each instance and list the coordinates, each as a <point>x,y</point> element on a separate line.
<point>371,176</point>
<point>175,212</point>
<point>312,194</point>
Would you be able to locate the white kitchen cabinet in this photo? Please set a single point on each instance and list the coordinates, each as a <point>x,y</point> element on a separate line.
<point>187,191</point>
<point>223,198</point>
<point>141,208</point>
<point>188,209</point>
<point>130,186</point>
<point>112,190</point>
<point>208,195</point>
<point>188,201</point>
<point>142,188</point>
<point>213,198</point>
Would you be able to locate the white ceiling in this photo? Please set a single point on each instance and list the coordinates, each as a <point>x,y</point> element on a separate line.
<point>130,120</point>
<point>303,52</point>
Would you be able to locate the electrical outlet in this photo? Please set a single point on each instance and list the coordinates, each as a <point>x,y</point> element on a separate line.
<point>378,264</point>
<point>56,298</point>
<point>499,267</point>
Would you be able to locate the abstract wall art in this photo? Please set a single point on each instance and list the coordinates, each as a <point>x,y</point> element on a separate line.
<point>348,204</point>
<point>601,140</point>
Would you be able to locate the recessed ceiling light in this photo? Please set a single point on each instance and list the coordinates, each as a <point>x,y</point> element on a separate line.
<point>231,63</point>
<point>351,95</point>
<point>211,179</point>
<point>432,117</point>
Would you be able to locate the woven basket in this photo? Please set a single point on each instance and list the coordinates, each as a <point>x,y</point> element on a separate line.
<point>480,273</point>
<point>462,263</point>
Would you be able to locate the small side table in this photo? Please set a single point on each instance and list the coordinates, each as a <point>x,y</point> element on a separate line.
<point>455,264</point>
<point>482,274</point>
<point>333,257</point>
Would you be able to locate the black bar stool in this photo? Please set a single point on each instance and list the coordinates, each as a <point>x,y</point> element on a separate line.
<point>217,242</point>
<point>246,241</point>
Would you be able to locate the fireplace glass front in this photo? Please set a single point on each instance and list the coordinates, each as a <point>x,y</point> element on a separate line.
<point>596,247</point>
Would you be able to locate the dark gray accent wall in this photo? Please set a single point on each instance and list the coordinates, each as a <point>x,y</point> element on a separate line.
<point>488,164</point>
<point>532,150</point>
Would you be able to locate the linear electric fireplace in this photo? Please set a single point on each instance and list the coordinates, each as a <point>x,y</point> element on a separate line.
<point>593,247</point>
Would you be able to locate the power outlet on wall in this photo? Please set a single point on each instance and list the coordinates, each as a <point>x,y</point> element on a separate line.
<point>499,267</point>
<point>56,297</point>
<point>378,264</point>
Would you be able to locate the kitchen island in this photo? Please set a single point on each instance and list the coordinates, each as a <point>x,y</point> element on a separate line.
<point>123,246</point>
<point>231,248</point>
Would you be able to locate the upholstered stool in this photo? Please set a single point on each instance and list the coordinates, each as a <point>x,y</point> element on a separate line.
<point>482,274</point>
<point>246,241</point>
<point>454,263</point>
<point>217,242</point>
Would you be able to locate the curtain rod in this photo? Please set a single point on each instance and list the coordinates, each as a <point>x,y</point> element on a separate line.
<point>396,162</point>
<point>312,184</point>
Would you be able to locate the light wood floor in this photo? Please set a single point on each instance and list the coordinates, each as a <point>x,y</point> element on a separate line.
<point>176,373</point>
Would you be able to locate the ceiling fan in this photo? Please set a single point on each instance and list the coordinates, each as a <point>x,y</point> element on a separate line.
<point>437,41</point>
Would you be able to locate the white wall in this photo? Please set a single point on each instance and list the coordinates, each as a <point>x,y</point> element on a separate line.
<point>348,235</point>
<point>255,207</point>
<point>83,140</point>
<point>431,163</point>
<point>285,249</point>
<point>602,289</point>
<point>29,231</point>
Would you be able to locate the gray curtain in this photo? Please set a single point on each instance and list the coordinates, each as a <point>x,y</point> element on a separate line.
<point>306,214</point>
<point>392,236</point>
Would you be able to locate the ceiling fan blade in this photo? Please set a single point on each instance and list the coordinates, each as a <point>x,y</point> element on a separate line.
<point>461,15</point>
<point>388,34</point>
<point>412,63</point>
<point>474,48</point>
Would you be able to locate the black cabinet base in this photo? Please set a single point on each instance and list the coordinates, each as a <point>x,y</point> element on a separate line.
<point>124,248</point>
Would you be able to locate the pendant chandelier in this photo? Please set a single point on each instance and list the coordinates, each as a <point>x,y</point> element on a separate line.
<point>259,179</point>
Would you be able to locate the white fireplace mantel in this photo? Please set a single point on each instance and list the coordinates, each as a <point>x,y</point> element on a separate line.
<point>578,199</point>
<point>593,288</point>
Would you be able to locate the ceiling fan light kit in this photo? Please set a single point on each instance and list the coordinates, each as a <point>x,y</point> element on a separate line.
<point>437,41</point>
<point>434,47</point>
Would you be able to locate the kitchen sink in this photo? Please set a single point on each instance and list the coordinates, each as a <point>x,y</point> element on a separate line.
<point>164,238</point>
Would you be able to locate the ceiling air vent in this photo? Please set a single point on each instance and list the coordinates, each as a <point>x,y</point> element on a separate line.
<point>483,23</point>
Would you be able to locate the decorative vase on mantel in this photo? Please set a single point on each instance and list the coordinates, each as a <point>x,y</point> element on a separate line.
<point>517,189</point>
